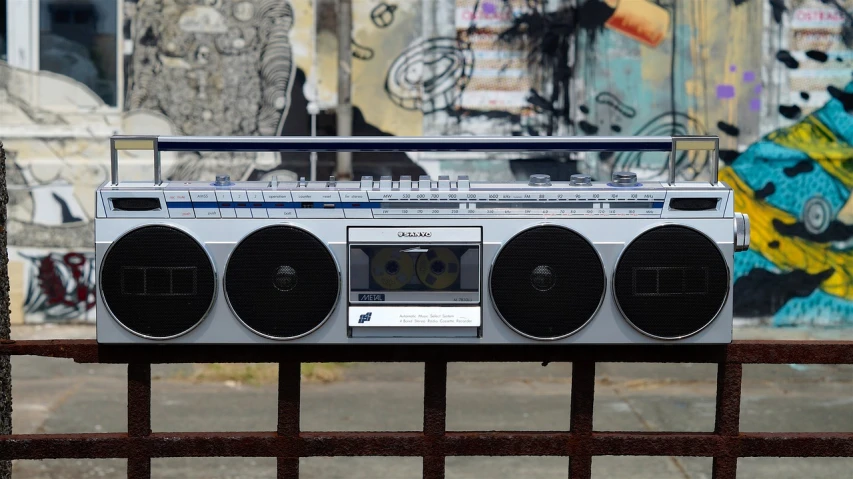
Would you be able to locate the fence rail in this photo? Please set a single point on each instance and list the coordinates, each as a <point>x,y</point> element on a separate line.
<point>434,443</point>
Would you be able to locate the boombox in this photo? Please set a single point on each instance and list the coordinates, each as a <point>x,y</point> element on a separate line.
<point>416,260</point>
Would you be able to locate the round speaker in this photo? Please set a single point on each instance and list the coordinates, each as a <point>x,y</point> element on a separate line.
<point>547,282</point>
<point>282,282</point>
<point>157,281</point>
<point>670,282</point>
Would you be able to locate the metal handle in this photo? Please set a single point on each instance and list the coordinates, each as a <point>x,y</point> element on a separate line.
<point>670,144</point>
<point>686,143</point>
<point>138,143</point>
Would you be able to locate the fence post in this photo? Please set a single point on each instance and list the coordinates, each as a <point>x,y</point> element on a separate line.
<point>139,416</point>
<point>5,322</point>
<point>582,400</point>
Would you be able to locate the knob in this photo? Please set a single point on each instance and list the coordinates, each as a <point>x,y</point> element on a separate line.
<point>385,182</point>
<point>580,180</point>
<point>366,182</point>
<point>274,182</point>
<point>223,180</point>
<point>444,182</point>
<point>624,178</point>
<point>424,182</point>
<point>539,180</point>
<point>741,232</point>
<point>405,183</point>
<point>302,183</point>
<point>332,182</point>
<point>463,183</point>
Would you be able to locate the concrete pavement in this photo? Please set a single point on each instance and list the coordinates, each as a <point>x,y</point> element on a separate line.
<point>58,396</point>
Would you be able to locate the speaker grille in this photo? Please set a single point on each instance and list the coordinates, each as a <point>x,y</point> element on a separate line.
<point>282,282</point>
<point>157,281</point>
<point>547,282</point>
<point>671,282</point>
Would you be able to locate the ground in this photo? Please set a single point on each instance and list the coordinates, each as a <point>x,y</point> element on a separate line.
<point>59,396</point>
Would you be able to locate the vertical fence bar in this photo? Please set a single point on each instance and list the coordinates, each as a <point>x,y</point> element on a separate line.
<point>138,416</point>
<point>289,393</point>
<point>435,418</point>
<point>583,398</point>
<point>727,423</point>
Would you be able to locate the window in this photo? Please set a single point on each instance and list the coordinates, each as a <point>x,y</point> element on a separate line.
<point>78,39</point>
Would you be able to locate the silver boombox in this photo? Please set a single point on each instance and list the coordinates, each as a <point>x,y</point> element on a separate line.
<point>416,261</point>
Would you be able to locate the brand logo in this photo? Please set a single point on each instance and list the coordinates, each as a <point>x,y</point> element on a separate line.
<point>364,318</point>
<point>414,234</point>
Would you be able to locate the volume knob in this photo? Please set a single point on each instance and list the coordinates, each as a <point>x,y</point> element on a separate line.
<point>580,180</point>
<point>539,180</point>
<point>624,178</point>
<point>223,180</point>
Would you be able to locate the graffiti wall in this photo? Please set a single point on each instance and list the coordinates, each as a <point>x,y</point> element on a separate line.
<point>772,78</point>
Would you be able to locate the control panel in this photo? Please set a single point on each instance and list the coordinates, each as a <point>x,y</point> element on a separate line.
<point>622,196</point>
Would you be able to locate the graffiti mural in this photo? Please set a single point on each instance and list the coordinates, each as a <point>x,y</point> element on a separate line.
<point>770,77</point>
<point>795,184</point>
<point>213,68</point>
<point>60,286</point>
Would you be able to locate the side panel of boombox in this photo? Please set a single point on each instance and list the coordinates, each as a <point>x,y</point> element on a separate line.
<point>544,281</point>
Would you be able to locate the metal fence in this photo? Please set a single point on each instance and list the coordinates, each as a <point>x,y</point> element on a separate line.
<point>434,443</point>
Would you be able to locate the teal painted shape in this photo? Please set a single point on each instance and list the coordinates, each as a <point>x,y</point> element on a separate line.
<point>818,309</point>
<point>746,261</point>
<point>614,65</point>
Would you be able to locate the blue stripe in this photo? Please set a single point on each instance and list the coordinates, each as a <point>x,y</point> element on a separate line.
<point>657,205</point>
<point>267,204</point>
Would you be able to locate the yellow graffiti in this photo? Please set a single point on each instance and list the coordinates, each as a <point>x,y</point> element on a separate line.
<point>789,252</point>
<point>813,138</point>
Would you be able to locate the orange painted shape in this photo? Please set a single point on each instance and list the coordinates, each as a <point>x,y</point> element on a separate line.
<point>639,19</point>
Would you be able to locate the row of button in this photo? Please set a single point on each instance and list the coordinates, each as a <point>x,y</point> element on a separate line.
<point>257,196</point>
<point>424,182</point>
<point>269,213</point>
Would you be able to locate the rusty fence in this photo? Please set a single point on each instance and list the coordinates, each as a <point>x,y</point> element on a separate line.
<point>434,443</point>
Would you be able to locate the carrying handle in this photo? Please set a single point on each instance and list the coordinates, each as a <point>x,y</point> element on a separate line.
<point>137,143</point>
<point>672,144</point>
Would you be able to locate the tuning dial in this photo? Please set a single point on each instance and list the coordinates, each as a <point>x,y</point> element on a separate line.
<point>580,180</point>
<point>223,180</point>
<point>624,178</point>
<point>741,232</point>
<point>539,180</point>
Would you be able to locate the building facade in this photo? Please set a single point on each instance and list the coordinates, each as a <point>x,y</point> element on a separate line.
<point>771,77</point>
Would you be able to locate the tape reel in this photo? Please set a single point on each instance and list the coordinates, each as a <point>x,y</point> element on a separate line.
<point>392,269</point>
<point>438,268</point>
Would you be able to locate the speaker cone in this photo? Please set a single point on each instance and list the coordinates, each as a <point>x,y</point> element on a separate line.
<point>282,282</point>
<point>157,281</point>
<point>547,282</point>
<point>671,282</point>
